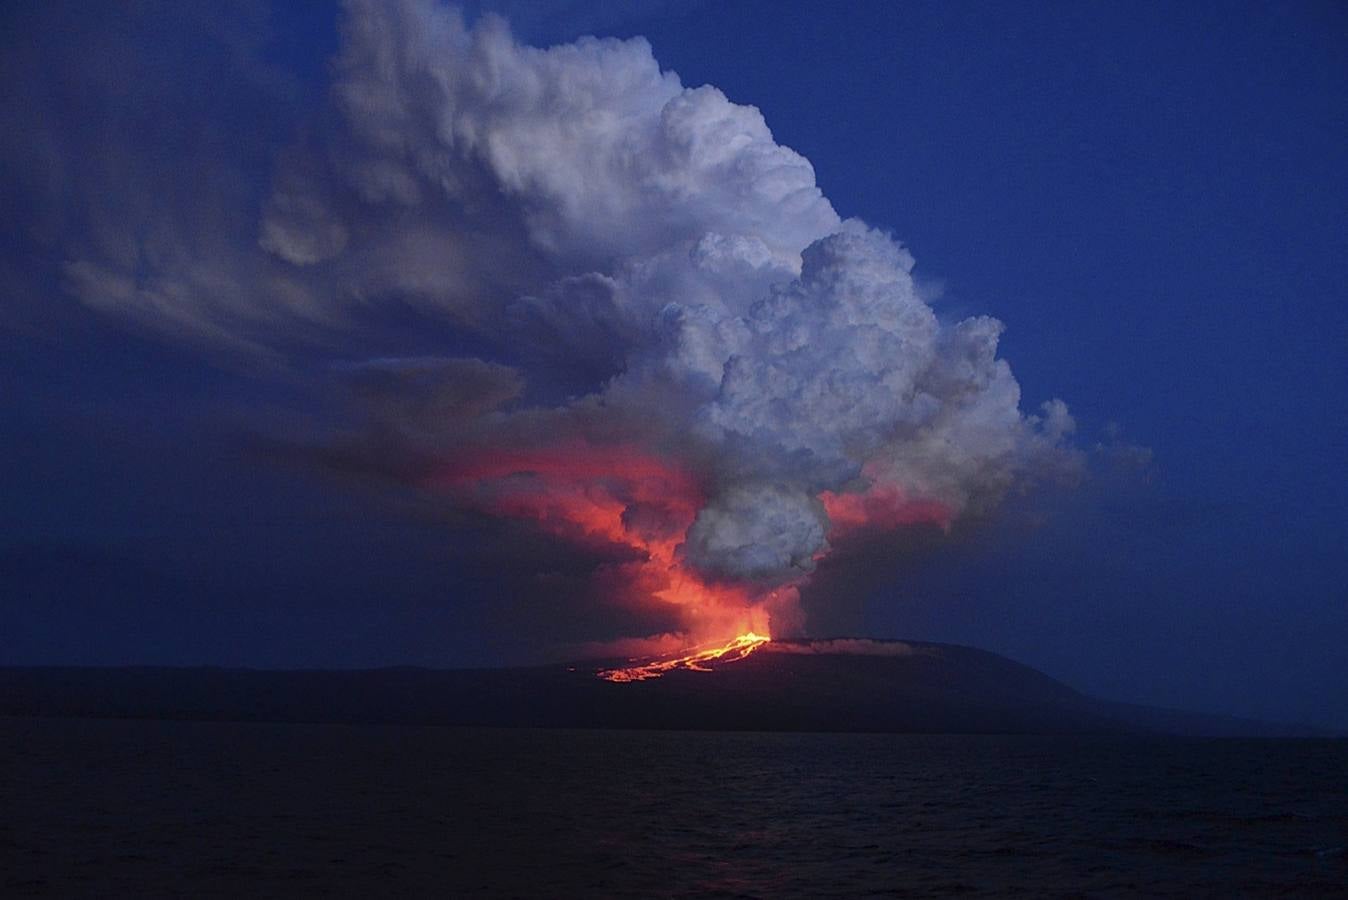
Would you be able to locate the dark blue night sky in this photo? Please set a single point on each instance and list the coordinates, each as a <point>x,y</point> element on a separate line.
<point>1150,197</point>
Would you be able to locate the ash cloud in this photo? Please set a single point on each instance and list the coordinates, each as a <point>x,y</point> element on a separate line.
<point>617,263</point>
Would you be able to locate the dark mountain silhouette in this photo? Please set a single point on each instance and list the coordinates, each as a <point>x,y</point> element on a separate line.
<point>846,685</point>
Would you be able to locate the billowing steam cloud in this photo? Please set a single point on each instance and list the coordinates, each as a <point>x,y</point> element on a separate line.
<point>658,334</point>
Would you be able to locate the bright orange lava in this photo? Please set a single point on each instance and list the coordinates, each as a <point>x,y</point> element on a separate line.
<point>697,660</point>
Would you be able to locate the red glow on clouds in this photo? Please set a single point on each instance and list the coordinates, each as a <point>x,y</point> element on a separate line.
<point>883,506</point>
<point>616,495</point>
<point>583,492</point>
<point>626,496</point>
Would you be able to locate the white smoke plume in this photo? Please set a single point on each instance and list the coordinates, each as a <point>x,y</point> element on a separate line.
<point>662,332</point>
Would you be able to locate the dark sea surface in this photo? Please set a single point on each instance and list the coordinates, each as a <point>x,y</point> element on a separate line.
<point>150,808</point>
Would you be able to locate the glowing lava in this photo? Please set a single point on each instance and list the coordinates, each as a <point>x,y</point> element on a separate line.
<point>698,659</point>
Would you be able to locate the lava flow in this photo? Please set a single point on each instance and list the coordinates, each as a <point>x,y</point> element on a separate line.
<point>699,659</point>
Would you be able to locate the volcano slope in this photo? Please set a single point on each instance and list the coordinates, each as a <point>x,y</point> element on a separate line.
<point>858,685</point>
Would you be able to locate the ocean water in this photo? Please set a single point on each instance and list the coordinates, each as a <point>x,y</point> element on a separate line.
<point>125,808</point>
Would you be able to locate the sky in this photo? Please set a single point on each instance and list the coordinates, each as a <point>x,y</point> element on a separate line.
<point>371,336</point>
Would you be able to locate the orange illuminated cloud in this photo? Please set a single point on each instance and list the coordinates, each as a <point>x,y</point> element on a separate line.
<point>617,494</point>
<point>624,495</point>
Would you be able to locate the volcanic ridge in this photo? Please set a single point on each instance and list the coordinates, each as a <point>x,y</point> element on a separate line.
<point>841,684</point>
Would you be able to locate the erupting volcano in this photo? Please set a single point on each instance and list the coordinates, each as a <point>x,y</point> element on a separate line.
<point>641,329</point>
<point>692,371</point>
